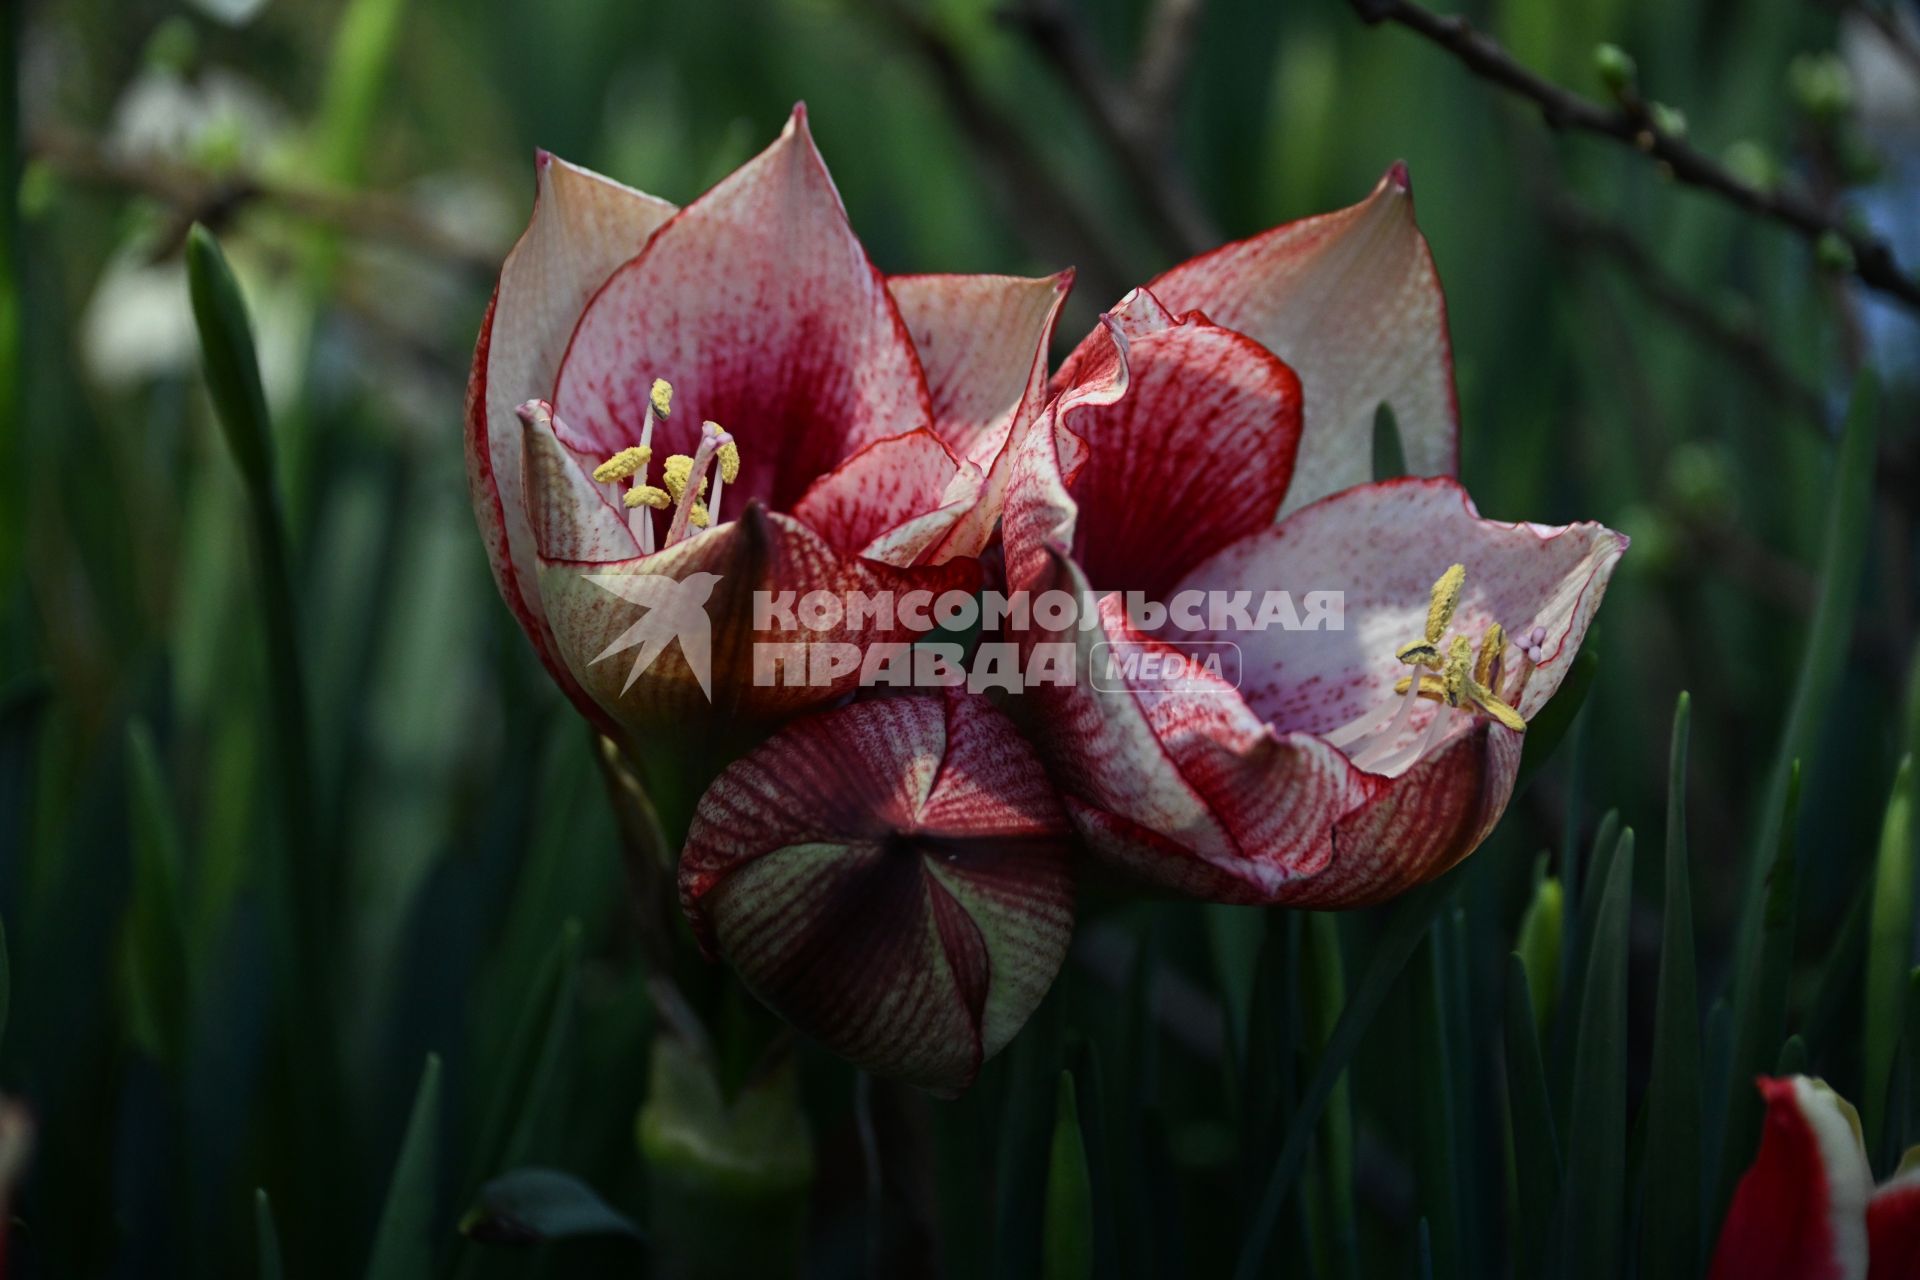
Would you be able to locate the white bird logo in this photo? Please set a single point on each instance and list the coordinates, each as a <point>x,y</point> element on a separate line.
<point>675,610</point>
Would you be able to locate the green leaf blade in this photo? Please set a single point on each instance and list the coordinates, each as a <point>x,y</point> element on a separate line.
<point>1672,1235</point>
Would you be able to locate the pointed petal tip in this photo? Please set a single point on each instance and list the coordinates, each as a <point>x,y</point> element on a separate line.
<point>536,414</point>
<point>1399,178</point>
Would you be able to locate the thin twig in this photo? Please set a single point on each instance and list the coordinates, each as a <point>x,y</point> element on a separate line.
<point>1873,261</point>
<point>1898,36</point>
<point>1136,141</point>
<point>1166,53</point>
<point>1049,211</point>
<point>1742,342</point>
<point>203,195</point>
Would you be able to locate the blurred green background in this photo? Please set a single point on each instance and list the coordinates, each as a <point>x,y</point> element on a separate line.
<point>1627,351</point>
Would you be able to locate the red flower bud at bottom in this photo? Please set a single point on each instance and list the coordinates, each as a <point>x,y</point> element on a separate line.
<point>891,877</point>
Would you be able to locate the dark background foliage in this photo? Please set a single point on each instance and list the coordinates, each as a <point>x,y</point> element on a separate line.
<point>1628,350</point>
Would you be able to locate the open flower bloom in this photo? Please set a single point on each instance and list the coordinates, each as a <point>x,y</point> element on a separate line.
<point>731,389</point>
<point>892,878</point>
<point>1331,766</point>
<point>1807,1209</point>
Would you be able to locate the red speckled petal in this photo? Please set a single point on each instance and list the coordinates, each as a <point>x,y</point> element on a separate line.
<point>759,552</point>
<point>1893,1223</point>
<point>1351,301</point>
<point>1381,546</point>
<point>583,227</point>
<point>879,488</point>
<point>568,513</point>
<point>1182,440</point>
<point>1800,1212</point>
<point>759,305</point>
<point>983,343</point>
<point>892,877</point>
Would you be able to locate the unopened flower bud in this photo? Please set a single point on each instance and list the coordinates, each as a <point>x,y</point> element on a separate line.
<point>892,878</point>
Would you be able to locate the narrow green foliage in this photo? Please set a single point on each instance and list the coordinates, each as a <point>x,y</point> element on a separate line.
<point>1593,1198</point>
<point>1402,934</point>
<point>1760,1004</point>
<point>227,353</point>
<point>266,1238</point>
<point>1536,1146</point>
<point>1909,1123</point>
<point>233,380</point>
<point>1539,945</point>
<point>530,1070</point>
<point>1438,1160</point>
<point>1792,1060</point>
<point>1889,950</point>
<point>403,1244</point>
<point>362,52</point>
<point>1716,1057</point>
<point>154,943</point>
<point>1672,1235</point>
<point>1234,936</point>
<point>1326,998</point>
<point>1067,1239</point>
<point>1842,557</point>
<point>1547,728</point>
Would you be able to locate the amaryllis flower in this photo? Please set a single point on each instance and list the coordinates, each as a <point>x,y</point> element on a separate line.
<point>1210,447</point>
<point>732,389</point>
<point>892,878</point>
<point>1807,1209</point>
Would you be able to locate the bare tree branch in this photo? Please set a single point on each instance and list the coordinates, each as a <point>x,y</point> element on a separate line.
<point>1742,342</point>
<point>203,195</point>
<point>1874,263</point>
<point>1166,54</point>
<point>1126,123</point>
<point>1040,203</point>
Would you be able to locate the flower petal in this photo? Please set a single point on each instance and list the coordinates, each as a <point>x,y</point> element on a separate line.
<point>759,305</point>
<point>1351,301</point>
<point>761,554</point>
<point>1194,452</point>
<point>882,486</point>
<point>1893,1223</point>
<point>891,877</point>
<point>1800,1212</point>
<point>983,342</point>
<point>583,226</point>
<point>1380,547</point>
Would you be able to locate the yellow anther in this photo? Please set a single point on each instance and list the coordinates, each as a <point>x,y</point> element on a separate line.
<point>1459,670</point>
<point>1418,653</point>
<point>1506,715</point>
<point>698,517</point>
<point>1430,687</point>
<point>627,462</point>
<point>1446,598</point>
<point>674,475</point>
<point>645,495</point>
<point>1486,664</point>
<point>729,455</point>
<point>662,396</point>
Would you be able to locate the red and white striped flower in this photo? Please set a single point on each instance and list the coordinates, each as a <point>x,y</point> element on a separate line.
<point>892,878</point>
<point>732,388</point>
<point>1216,435</point>
<point>1807,1209</point>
